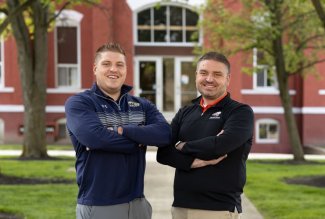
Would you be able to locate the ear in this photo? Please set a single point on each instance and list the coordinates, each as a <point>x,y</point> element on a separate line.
<point>228,79</point>
<point>94,68</point>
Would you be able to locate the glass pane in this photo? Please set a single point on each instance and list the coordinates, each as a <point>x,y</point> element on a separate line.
<point>144,17</point>
<point>188,87</point>
<point>73,76</point>
<point>67,45</point>
<point>176,36</point>
<point>160,16</point>
<point>151,97</point>
<point>160,36</point>
<point>176,16</point>
<point>148,80</point>
<point>144,35</point>
<point>191,18</point>
<point>168,80</point>
<point>263,131</point>
<point>273,131</point>
<point>62,76</point>
<point>192,36</point>
<point>260,77</point>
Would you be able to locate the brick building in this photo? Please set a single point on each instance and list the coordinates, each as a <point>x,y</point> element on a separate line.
<point>159,43</point>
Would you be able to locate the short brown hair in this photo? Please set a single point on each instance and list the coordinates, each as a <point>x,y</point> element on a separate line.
<point>112,47</point>
<point>216,57</point>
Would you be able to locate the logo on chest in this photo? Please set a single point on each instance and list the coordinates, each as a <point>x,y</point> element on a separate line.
<point>215,115</point>
<point>133,104</point>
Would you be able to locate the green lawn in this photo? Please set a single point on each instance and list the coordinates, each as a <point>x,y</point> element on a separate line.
<point>265,188</point>
<point>45,201</point>
<point>276,199</point>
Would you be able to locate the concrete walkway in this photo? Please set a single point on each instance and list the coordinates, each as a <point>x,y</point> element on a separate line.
<point>159,182</point>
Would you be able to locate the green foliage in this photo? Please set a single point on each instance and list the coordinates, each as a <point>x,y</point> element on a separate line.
<point>274,198</point>
<point>253,24</point>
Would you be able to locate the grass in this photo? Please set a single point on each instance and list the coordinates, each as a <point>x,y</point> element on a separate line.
<point>265,187</point>
<point>274,198</point>
<point>46,201</point>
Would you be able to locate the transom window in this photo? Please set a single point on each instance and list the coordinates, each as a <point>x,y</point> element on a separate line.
<point>264,75</point>
<point>267,131</point>
<point>167,24</point>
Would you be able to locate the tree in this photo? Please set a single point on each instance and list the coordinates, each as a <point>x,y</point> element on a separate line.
<point>30,22</point>
<point>287,33</point>
<point>319,8</point>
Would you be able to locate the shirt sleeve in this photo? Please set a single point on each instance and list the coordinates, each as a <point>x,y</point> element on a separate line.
<point>169,155</point>
<point>84,124</point>
<point>155,132</point>
<point>238,129</point>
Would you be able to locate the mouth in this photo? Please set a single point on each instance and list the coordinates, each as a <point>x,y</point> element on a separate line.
<point>112,76</point>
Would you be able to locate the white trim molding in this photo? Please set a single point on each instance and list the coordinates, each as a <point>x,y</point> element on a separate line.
<point>7,89</point>
<point>264,91</point>
<point>20,109</point>
<point>63,90</point>
<point>280,110</point>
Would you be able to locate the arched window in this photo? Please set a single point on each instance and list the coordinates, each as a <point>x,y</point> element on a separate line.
<point>167,24</point>
<point>67,47</point>
<point>267,131</point>
<point>2,131</point>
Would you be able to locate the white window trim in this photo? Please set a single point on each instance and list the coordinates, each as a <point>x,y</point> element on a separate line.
<point>321,92</point>
<point>255,65</point>
<point>69,18</point>
<point>3,88</point>
<point>257,131</point>
<point>171,44</point>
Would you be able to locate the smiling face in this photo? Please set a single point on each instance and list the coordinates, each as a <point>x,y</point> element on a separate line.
<point>212,79</point>
<point>110,70</point>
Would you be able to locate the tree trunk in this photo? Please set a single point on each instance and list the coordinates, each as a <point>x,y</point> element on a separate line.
<point>32,59</point>
<point>320,11</point>
<point>283,77</point>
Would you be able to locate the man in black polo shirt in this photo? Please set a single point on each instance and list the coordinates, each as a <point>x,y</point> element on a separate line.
<point>211,140</point>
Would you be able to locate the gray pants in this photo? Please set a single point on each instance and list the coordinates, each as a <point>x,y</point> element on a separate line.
<point>139,208</point>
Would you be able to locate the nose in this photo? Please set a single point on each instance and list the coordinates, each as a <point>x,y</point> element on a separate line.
<point>113,68</point>
<point>209,78</point>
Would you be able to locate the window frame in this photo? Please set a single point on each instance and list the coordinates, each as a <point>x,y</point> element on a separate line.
<point>267,121</point>
<point>168,26</point>
<point>68,18</point>
<point>256,65</point>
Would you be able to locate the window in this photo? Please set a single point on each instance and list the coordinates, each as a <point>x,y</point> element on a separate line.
<point>67,40</point>
<point>264,75</point>
<point>167,24</point>
<point>267,131</point>
<point>62,130</point>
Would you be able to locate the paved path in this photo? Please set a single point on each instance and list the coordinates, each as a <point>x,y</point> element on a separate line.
<point>159,182</point>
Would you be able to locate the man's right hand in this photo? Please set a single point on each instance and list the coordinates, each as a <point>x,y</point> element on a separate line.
<point>197,163</point>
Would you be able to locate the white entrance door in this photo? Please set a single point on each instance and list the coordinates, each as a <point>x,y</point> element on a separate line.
<point>168,82</point>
